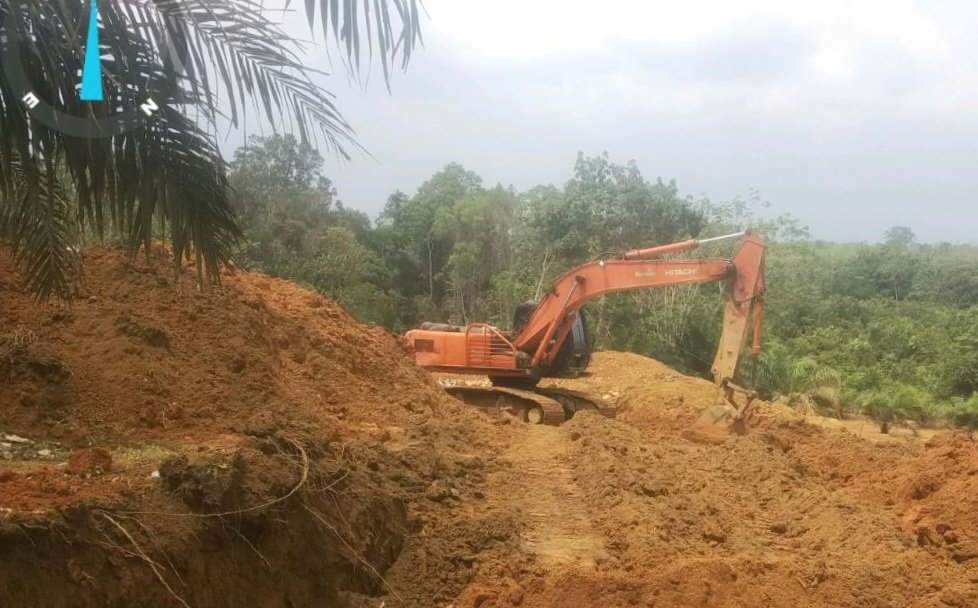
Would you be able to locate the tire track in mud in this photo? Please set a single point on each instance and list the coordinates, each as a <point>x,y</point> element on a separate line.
<point>556,528</point>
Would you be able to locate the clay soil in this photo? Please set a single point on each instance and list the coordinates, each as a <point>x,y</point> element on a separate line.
<point>251,445</point>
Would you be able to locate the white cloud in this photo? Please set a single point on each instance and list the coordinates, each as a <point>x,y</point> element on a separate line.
<point>725,59</point>
<point>826,106</point>
<point>833,62</point>
<point>520,31</point>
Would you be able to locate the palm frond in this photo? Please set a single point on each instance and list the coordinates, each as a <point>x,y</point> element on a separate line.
<point>211,61</point>
<point>391,33</point>
<point>35,217</point>
<point>239,55</point>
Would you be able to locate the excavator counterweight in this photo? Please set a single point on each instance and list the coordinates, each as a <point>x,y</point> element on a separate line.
<point>549,338</point>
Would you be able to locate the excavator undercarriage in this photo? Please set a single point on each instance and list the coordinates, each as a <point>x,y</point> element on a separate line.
<point>537,406</point>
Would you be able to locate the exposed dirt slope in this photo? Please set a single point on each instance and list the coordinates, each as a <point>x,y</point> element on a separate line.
<point>255,446</point>
<point>140,357</point>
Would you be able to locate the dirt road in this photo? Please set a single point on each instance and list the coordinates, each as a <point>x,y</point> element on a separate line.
<point>537,476</point>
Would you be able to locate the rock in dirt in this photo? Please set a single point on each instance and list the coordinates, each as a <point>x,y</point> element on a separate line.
<point>713,532</point>
<point>207,485</point>
<point>964,552</point>
<point>471,461</point>
<point>14,439</point>
<point>779,527</point>
<point>438,492</point>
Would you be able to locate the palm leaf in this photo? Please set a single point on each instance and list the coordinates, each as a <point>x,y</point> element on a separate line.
<point>35,216</point>
<point>343,22</point>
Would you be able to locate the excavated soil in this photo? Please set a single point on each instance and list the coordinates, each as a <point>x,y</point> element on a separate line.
<point>251,445</point>
<point>247,445</point>
<point>790,514</point>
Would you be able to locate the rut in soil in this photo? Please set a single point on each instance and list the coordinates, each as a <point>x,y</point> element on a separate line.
<point>557,528</point>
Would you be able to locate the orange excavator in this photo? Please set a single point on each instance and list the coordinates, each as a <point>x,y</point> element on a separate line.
<point>549,339</point>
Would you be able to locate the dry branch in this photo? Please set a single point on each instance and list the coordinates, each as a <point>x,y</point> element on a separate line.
<point>142,554</point>
<point>353,551</point>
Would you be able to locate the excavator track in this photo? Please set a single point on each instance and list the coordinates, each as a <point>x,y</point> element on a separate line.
<point>524,405</point>
<point>576,401</point>
<point>550,406</point>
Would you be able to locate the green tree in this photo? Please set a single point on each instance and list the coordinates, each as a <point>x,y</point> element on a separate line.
<point>965,415</point>
<point>295,228</point>
<point>879,407</point>
<point>351,274</point>
<point>283,201</point>
<point>948,274</point>
<point>959,360</point>
<point>414,231</point>
<point>900,235</point>
<point>479,227</point>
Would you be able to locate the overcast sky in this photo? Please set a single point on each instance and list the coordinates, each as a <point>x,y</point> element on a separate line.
<point>853,116</point>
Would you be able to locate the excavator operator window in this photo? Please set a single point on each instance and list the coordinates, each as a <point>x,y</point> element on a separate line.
<point>424,346</point>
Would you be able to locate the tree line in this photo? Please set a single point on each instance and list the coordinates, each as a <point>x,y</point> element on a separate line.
<point>889,329</point>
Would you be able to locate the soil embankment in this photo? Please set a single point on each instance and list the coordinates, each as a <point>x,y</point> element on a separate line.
<point>249,445</point>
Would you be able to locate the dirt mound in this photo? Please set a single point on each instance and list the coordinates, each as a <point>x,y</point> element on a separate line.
<point>935,494</point>
<point>90,461</point>
<point>141,357</point>
<point>650,394</point>
<point>247,444</point>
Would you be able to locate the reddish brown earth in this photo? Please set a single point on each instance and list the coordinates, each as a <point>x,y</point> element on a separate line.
<point>266,450</point>
<point>263,448</point>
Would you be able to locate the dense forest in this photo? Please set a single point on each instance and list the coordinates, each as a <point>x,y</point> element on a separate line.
<point>889,329</point>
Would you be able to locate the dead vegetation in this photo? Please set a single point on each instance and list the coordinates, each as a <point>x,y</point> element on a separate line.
<point>18,351</point>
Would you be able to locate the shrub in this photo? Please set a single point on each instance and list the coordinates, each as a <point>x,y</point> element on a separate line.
<point>965,415</point>
<point>828,400</point>
<point>912,403</point>
<point>879,407</point>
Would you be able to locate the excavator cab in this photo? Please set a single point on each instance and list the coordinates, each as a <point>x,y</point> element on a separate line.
<point>574,355</point>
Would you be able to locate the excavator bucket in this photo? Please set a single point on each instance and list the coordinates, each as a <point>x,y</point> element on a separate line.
<point>727,413</point>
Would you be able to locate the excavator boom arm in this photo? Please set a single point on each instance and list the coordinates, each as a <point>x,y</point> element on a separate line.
<point>574,289</point>
<point>548,326</point>
<point>519,361</point>
<point>535,350</point>
<point>745,299</point>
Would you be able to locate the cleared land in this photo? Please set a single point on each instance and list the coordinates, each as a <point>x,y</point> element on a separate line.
<point>253,445</point>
